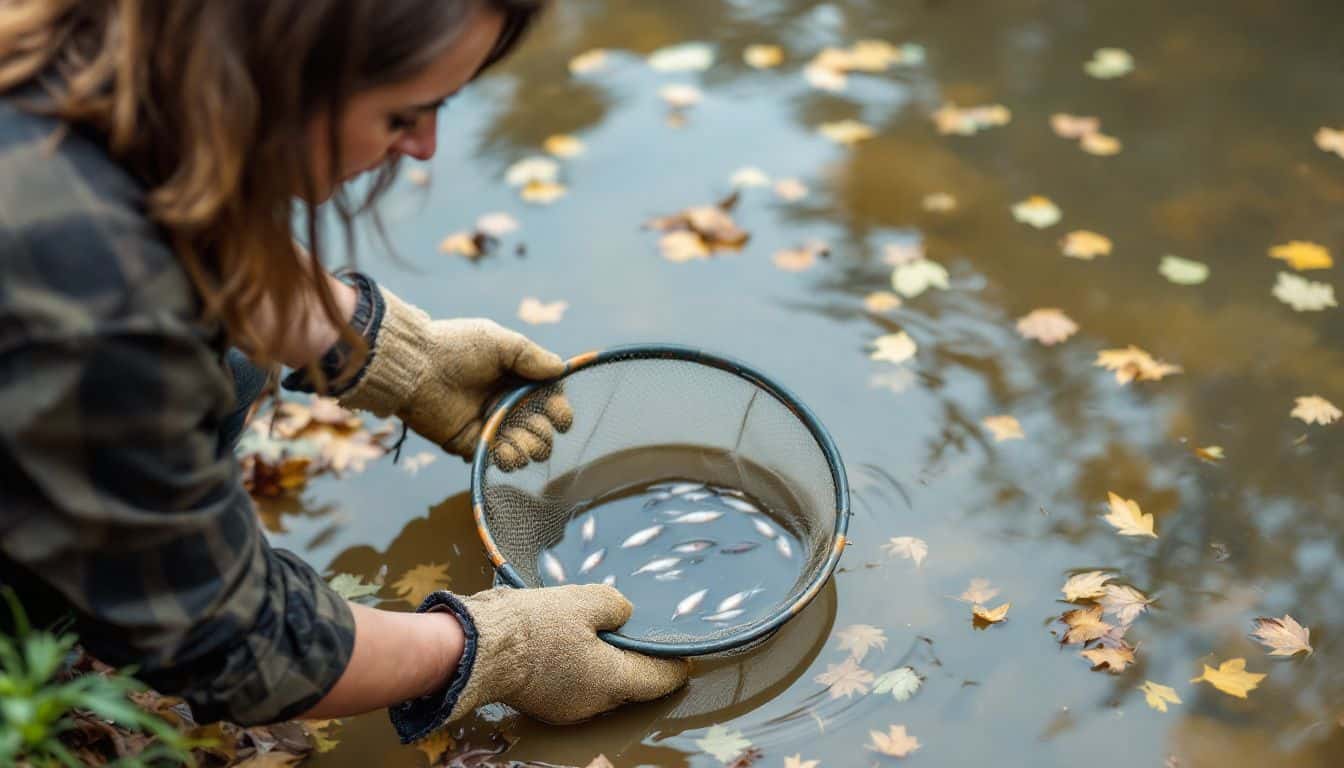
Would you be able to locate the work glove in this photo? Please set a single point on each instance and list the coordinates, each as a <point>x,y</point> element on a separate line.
<point>441,377</point>
<point>537,650</point>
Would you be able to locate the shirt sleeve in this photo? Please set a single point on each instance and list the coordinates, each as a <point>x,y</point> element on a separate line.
<point>119,497</point>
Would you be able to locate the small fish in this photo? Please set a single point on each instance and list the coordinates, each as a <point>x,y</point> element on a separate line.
<point>589,529</point>
<point>689,603</point>
<point>693,546</point>
<point>657,499</point>
<point>764,528</point>
<point>740,505</point>
<point>592,561</point>
<point>724,615</point>
<point>697,496</point>
<point>552,567</point>
<point>703,516</point>
<point>641,537</point>
<point>672,575</point>
<point>740,547</point>
<point>657,566</point>
<point>782,544</point>
<point>681,488</point>
<point>735,600</point>
<point>609,579</point>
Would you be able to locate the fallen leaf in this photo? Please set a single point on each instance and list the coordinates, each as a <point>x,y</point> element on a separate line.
<point>1082,244</point>
<point>682,246</point>
<point>901,683</point>
<point>273,759</point>
<point>990,616</point>
<point>1084,624</point>
<point>413,464</point>
<point>587,63</point>
<point>1004,428</point>
<point>536,312</point>
<point>846,132</point>
<point>563,145</point>
<point>1183,271</point>
<point>896,381</point>
<point>905,252</point>
<point>1114,658</point>
<point>846,678</point>
<point>749,176</point>
<point>1302,255</point>
<point>763,56</point>
<point>908,547</point>
<point>1108,63</point>
<point>939,202</point>
<point>711,224</point>
<point>1100,144</point>
<point>466,244</point>
<point>1314,409</point>
<point>1047,325</point>
<point>1085,586</point>
<point>342,453</point>
<point>723,743</point>
<point>1212,453</point>
<point>1284,637</point>
<point>496,224</point>
<point>1330,140</point>
<point>881,301</point>
<point>858,639</point>
<point>895,743</point>
<point>418,176</point>
<point>910,280</point>
<point>1123,602</point>
<point>894,348</point>
<point>969,121</point>
<point>328,412</point>
<point>537,168</point>
<point>683,57</point>
<point>797,761</point>
<point>1068,126</point>
<point>1127,518</point>
<point>680,95</point>
<point>825,78</point>
<point>1132,364</point>
<point>979,591</point>
<point>600,761</point>
<point>1302,294</point>
<point>1158,695</point>
<point>1231,678</point>
<point>802,258</point>
<point>1037,211</point>
<point>351,587</point>
<point>417,583</point>
<point>542,192</point>
<point>790,190</point>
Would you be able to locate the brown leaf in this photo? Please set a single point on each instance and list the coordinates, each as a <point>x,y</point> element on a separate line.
<point>1003,427</point>
<point>1085,624</point>
<point>1132,364</point>
<point>1048,325</point>
<point>1113,658</point>
<point>881,301</point>
<point>1284,637</point>
<point>1083,244</point>
<point>417,583</point>
<point>1068,126</point>
<point>988,615</point>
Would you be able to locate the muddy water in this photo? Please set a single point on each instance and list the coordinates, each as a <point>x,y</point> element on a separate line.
<point>1218,165</point>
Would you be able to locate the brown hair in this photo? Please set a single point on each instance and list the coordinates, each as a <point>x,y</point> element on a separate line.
<point>209,103</point>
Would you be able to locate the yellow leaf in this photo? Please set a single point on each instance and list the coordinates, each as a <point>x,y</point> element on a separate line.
<point>797,761</point>
<point>1231,678</point>
<point>680,95</point>
<point>435,744</point>
<point>417,583</point>
<point>846,679</point>
<point>881,301</point>
<point>790,190</point>
<point>682,246</point>
<point>1004,428</point>
<point>563,145</point>
<point>895,743</point>
<point>1127,518</point>
<point>846,132</point>
<point>600,761</point>
<point>795,259</point>
<point>990,616</point>
<point>1211,453</point>
<point>1100,144</point>
<point>1047,325</point>
<point>858,639</point>
<point>543,192</point>
<point>1083,586</point>
<point>939,202</point>
<point>1068,126</point>
<point>352,452</point>
<point>1330,140</point>
<point>1113,658</point>
<point>763,56</point>
<point>1302,255</point>
<point>1086,245</point>
<point>535,312</point>
<point>1037,211</point>
<point>894,347</point>
<point>1107,63</point>
<point>1284,637</point>
<point>464,243</point>
<point>1315,409</point>
<point>1132,364</point>
<point>968,121</point>
<point>1158,695</point>
<point>1085,624</point>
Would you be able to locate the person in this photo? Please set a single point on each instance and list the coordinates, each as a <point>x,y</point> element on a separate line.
<point>156,161</point>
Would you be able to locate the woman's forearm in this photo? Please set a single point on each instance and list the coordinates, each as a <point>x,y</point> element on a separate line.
<point>397,656</point>
<point>309,332</point>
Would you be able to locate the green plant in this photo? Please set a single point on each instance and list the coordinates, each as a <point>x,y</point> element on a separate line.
<point>36,707</point>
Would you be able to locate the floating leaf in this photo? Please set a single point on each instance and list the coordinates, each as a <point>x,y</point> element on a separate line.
<point>351,587</point>
<point>542,192</point>
<point>846,678</point>
<point>697,231</point>
<point>680,95</point>
<point>1004,428</point>
<point>600,761</point>
<point>563,145</point>
<point>846,132</point>
<point>894,347</point>
<point>990,615</point>
<point>1085,586</point>
<point>435,744</point>
<point>1115,658</point>
<point>1037,211</point>
<point>881,301</point>
<point>790,190</point>
<point>587,63</point>
<point>896,381</point>
<point>795,259</point>
<point>1284,637</point>
<point>979,591</point>
<point>1085,624</point>
<point>858,639</point>
<point>950,119</point>
<point>1302,294</point>
<point>682,246</point>
<point>939,202</point>
<point>908,547</point>
<point>1330,140</point>
<point>723,743</point>
<point>1158,695</point>
<point>417,583</point>
<point>1082,244</point>
<point>1124,602</point>
<point>1183,271</point>
<point>763,56</point>
<point>536,312</point>
<point>1100,144</point>
<point>825,78</point>
<point>1302,255</point>
<point>895,743</point>
<point>534,169</point>
<point>797,761</point>
<point>1108,63</point>
<point>1068,126</point>
<point>413,464</point>
<point>1231,678</point>
<point>914,278</point>
<point>1127,518</point>
<point>749,176</point>
<point>1048,325</point>
<point>685,57</point>
<point>901,683</point>
<point>1315,409</point>
<point>467,244</point>
<point>342,453</point>
<point>496,224</point>
<point>1132,364</point>
<point>1212,453</point>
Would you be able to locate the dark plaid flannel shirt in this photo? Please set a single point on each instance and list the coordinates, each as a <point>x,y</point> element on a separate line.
<point>119,504</point>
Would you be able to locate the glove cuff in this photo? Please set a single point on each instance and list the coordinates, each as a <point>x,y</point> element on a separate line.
<point>418,718</point>
<point>397,361</point>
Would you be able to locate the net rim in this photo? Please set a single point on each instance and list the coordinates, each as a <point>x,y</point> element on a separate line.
<point>509,575</point>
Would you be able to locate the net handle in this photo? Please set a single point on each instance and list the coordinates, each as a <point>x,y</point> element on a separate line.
<point>509,576</point>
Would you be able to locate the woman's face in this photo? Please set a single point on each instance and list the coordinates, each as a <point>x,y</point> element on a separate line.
<point>401,118</point>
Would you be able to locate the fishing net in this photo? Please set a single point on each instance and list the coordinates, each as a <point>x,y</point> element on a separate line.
<point>649,413</point>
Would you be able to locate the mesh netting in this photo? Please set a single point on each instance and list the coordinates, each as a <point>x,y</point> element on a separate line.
<point>640,417</point>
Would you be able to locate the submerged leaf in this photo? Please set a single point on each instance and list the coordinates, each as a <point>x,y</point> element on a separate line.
<point>588,62</point>
<point>790,190</point>
<point>979,591</point>
<point>797,761</point>
<point>1003,427</point>
<point>881,301</point>
<point>749,176</point>
<point>534,169</point>
<point>1284,637</point>
<point>939,202</point>
<point>351,587</point>
<point>1158,695</point>
<point>563,145</point>
<point>846,678</point>
<point>901,683</point>
<point>723,743</point>
<point>1314,409</point>
<point>894,743</point>
<point>1231,678</point>
<point>1330,140</point>
<point>1100,144</point>
<point>1127,518</point>
<point>858,639</point>
<point>1068,126</point>
<point>908,547</point>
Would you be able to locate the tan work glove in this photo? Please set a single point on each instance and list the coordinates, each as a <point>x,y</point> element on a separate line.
<point>537,650</point>
<point>440,376</point>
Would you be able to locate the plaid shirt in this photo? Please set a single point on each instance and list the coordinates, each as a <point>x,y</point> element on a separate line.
<point>119,504</point>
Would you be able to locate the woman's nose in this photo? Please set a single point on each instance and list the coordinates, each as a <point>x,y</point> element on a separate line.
<point>420,141</point>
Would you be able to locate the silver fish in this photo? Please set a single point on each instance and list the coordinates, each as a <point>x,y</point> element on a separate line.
<point>592,561</point>
<point>740,505</point>
<point>764,528</point>
<point>641,537</point>
<point>735,600</point>
<point>657,497</point>
<point>724,615</point>
<point>657,566</point>
<point>697,496</point>
<point>552,567</point>
<point>693,546</point>
<point>609,579</point>
<point>681,488</point>
<point>689,603</point>
<point>740,547</point>
<point>703,516</point>
<point>589,529</point>
<point>672,575</point>
<point>782,544</point>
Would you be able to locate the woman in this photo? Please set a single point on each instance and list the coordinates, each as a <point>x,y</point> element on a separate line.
<point>151,159</point>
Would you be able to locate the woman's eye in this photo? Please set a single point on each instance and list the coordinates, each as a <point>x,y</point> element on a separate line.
<point>400,123</point>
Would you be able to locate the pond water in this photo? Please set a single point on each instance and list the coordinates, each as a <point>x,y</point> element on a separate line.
<point>1218,165</point>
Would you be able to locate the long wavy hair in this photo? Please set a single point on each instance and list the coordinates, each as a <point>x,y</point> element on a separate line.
<point>208,102</point>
